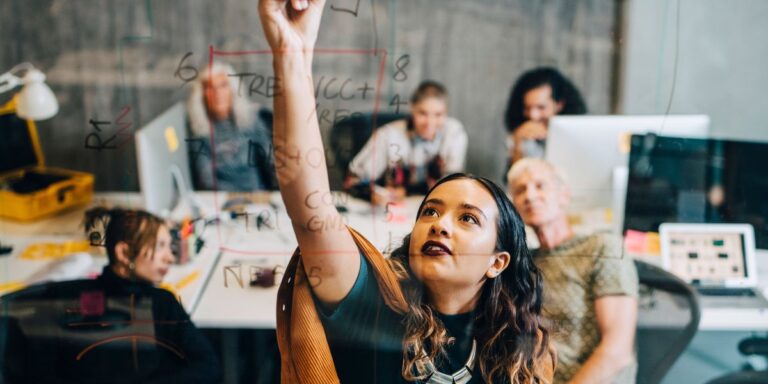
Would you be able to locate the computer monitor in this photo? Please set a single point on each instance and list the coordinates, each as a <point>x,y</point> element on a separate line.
<point>163,163</point>
<point>592,151</point>
<point>685,180</point>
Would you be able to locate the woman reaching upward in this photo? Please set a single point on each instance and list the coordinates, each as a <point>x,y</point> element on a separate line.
<point>459,301</point>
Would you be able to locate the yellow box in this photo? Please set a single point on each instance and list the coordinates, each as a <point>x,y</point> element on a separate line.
<point>28,189</point>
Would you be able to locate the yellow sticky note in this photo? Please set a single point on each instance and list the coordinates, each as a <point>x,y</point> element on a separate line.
<point>625,143</point>
<point>652,244</point>
<point>171,140</point>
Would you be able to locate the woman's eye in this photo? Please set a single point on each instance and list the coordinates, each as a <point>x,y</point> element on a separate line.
<point>429,212</point>
<point>470,219</point>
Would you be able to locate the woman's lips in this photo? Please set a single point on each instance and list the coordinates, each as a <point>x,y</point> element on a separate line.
<point>435,248</point>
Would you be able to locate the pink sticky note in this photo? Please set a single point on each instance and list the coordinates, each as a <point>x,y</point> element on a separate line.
<point>634,241</point>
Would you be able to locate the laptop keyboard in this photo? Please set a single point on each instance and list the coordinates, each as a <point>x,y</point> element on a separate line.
<point>715,291</point>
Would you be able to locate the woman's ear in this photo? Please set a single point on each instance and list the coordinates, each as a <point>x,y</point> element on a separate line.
<point>122,253</point>
<point>500,263</point>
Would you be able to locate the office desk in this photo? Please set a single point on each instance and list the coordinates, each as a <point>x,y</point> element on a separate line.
<point>229,301</point>
<point>229,244</point>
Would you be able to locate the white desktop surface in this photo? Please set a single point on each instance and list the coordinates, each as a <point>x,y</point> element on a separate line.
<point>229,243</point>
<point>243,306</point>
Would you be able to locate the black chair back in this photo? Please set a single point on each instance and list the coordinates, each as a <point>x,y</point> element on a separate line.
<point>668,320</point>
<point>349,135</point>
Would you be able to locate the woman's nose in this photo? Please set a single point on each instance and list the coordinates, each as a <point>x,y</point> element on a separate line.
<point>439,227</point>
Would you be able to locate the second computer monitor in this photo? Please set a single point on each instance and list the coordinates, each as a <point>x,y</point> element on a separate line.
<point>163,163</point>
<point>592,152</point>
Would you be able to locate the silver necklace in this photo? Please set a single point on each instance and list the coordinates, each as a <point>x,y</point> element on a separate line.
<point>462,376</point>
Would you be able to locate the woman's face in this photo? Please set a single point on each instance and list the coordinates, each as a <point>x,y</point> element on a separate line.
<point>153,267</point>
<point>428,116</point>
<point>453,242</point>
<point>539,106</point>
<point>218,96</point>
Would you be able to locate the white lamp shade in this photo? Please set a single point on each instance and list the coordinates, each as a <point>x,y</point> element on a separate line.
<point>36,100</point>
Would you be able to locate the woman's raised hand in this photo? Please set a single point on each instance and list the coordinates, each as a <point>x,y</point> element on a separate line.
<point>291,25</point>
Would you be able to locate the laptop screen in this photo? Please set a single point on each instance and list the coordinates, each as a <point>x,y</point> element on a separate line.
<point>707,258</point>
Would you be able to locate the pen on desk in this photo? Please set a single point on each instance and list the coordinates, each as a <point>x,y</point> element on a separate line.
<point>186,280</point>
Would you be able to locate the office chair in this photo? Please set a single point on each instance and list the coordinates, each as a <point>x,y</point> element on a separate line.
<point>75,331</point>
<point>659,347</point>
<point>349,135</point>
<point>750,346</point>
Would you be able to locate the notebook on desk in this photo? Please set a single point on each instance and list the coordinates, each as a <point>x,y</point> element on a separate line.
<point>717,259</point>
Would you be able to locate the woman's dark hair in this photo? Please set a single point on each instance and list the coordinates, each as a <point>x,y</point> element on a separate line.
<point>427,89</point>
<point>509,331</point>
<point>108,227</point>
<point>562,91</point>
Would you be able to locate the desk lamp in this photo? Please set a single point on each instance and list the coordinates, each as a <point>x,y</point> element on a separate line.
<point>36,100</point>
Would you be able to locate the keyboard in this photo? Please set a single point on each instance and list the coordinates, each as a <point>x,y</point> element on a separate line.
<point>730,292</point>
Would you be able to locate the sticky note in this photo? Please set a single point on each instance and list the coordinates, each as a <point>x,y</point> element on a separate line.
<point>625,143</point>
<point>608,215</point>
<point>634,241</point>
<point>652,244</point>
<point>171,140</point>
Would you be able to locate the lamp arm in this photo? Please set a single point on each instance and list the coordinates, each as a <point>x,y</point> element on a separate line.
<point>8,81</point>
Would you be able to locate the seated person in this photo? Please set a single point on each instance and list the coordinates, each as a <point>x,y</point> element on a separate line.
<point>538,95</point>
<point>117,328</point>
<point>590,288</point>
<point>408,156</point>
<point>243,142</point>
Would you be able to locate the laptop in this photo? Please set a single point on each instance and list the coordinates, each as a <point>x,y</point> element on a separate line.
<point>718,260</point>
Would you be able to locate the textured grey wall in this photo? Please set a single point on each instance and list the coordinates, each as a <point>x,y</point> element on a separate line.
<point>102,57</point>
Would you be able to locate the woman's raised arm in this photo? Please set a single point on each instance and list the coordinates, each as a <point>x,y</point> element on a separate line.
<point>328,250</point>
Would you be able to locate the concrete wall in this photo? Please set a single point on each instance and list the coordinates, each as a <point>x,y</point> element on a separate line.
<point>102,57</point>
